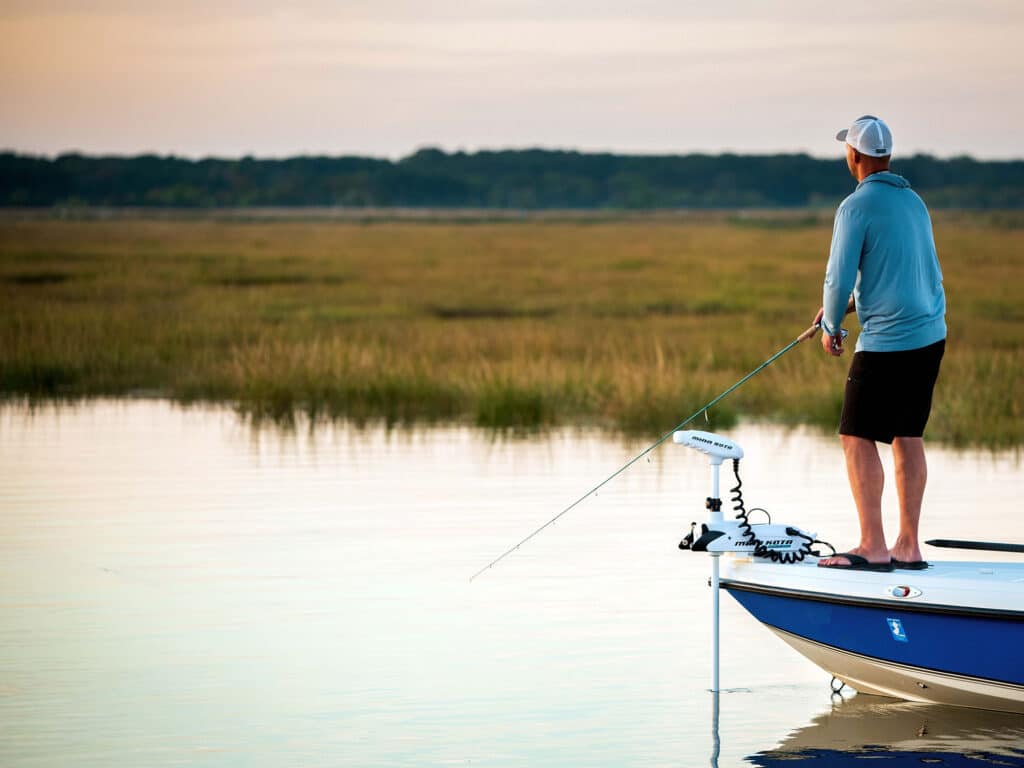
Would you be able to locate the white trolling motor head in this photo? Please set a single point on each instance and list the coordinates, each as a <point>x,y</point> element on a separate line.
<point>715,446</point>
<point>773,541</point>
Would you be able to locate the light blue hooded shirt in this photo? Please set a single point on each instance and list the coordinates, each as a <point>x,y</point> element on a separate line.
<point>883,251</point>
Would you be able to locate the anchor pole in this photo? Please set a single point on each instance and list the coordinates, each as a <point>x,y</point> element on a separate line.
<point>716,517</point>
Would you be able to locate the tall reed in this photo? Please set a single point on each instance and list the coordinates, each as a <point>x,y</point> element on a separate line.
<point>629,324</point>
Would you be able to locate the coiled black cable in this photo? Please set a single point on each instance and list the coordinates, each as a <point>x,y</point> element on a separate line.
<point>760,550</point>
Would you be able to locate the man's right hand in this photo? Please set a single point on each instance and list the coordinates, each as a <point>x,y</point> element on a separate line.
<point>831,344</point>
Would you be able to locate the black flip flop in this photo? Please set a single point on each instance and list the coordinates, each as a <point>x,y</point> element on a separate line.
<point>909,565</point>
<point>858,563</point>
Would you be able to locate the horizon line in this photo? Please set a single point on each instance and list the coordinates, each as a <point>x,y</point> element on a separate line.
<point>477,151</point>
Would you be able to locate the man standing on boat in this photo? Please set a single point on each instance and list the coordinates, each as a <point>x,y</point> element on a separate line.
<point>883,265</point>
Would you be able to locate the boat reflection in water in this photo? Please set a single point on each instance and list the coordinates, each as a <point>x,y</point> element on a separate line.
<point>898,733</point>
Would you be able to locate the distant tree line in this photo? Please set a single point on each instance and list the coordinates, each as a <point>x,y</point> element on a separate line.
<point>520,179</point>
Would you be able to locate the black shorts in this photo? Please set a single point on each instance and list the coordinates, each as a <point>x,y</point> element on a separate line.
<point>889,394</point>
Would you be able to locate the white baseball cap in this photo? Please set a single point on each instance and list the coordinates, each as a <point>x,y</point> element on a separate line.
<point>869,135</point>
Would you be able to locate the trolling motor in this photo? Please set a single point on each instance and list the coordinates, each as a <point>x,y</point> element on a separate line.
<point>779,543</point>
<point>773,541</point>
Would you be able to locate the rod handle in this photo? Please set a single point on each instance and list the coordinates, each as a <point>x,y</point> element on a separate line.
<point>809,333</point>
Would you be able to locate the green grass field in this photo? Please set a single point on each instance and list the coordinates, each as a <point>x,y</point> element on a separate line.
<point>630,324</point>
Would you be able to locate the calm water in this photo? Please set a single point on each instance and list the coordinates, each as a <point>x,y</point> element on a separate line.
<point>179,589</point>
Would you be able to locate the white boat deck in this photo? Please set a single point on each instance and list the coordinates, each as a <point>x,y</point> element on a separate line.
<point>966,584</point>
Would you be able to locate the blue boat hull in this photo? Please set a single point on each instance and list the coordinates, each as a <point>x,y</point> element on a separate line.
<point>922,652</point>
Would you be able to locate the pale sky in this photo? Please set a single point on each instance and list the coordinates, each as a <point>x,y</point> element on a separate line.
<point>384,77</point>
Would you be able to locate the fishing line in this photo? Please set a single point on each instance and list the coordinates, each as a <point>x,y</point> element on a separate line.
<point>703,409</point>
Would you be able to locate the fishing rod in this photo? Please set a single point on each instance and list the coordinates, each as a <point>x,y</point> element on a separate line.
<point>809,333</point>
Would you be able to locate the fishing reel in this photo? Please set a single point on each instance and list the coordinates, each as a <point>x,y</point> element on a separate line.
<point>773,541</point>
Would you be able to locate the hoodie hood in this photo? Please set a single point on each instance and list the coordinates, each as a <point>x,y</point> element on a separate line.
<point>886,177</point>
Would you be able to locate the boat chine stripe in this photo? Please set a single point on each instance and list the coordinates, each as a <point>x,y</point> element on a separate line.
<point>905,667</point>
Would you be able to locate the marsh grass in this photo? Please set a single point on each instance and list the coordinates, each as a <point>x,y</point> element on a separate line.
<point>629,324</point>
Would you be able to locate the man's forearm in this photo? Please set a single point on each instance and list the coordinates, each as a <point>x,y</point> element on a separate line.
<point>841,272</point>
<point>833,312</point>
<point>851,306</point>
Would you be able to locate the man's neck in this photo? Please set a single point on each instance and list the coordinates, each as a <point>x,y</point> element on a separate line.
<point>864,173</point>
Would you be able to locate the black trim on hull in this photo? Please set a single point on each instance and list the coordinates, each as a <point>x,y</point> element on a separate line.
<point>868,602</point>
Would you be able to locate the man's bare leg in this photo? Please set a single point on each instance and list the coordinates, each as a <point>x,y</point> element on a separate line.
<point>864,468</point>
<point>911,477</point>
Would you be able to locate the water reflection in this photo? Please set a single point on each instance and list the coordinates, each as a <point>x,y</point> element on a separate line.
<point>179,588</point>
<point>716,740</point>
<point>898,733</point>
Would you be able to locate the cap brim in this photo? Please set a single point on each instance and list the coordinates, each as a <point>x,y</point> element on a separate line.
<point>841,136</point>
